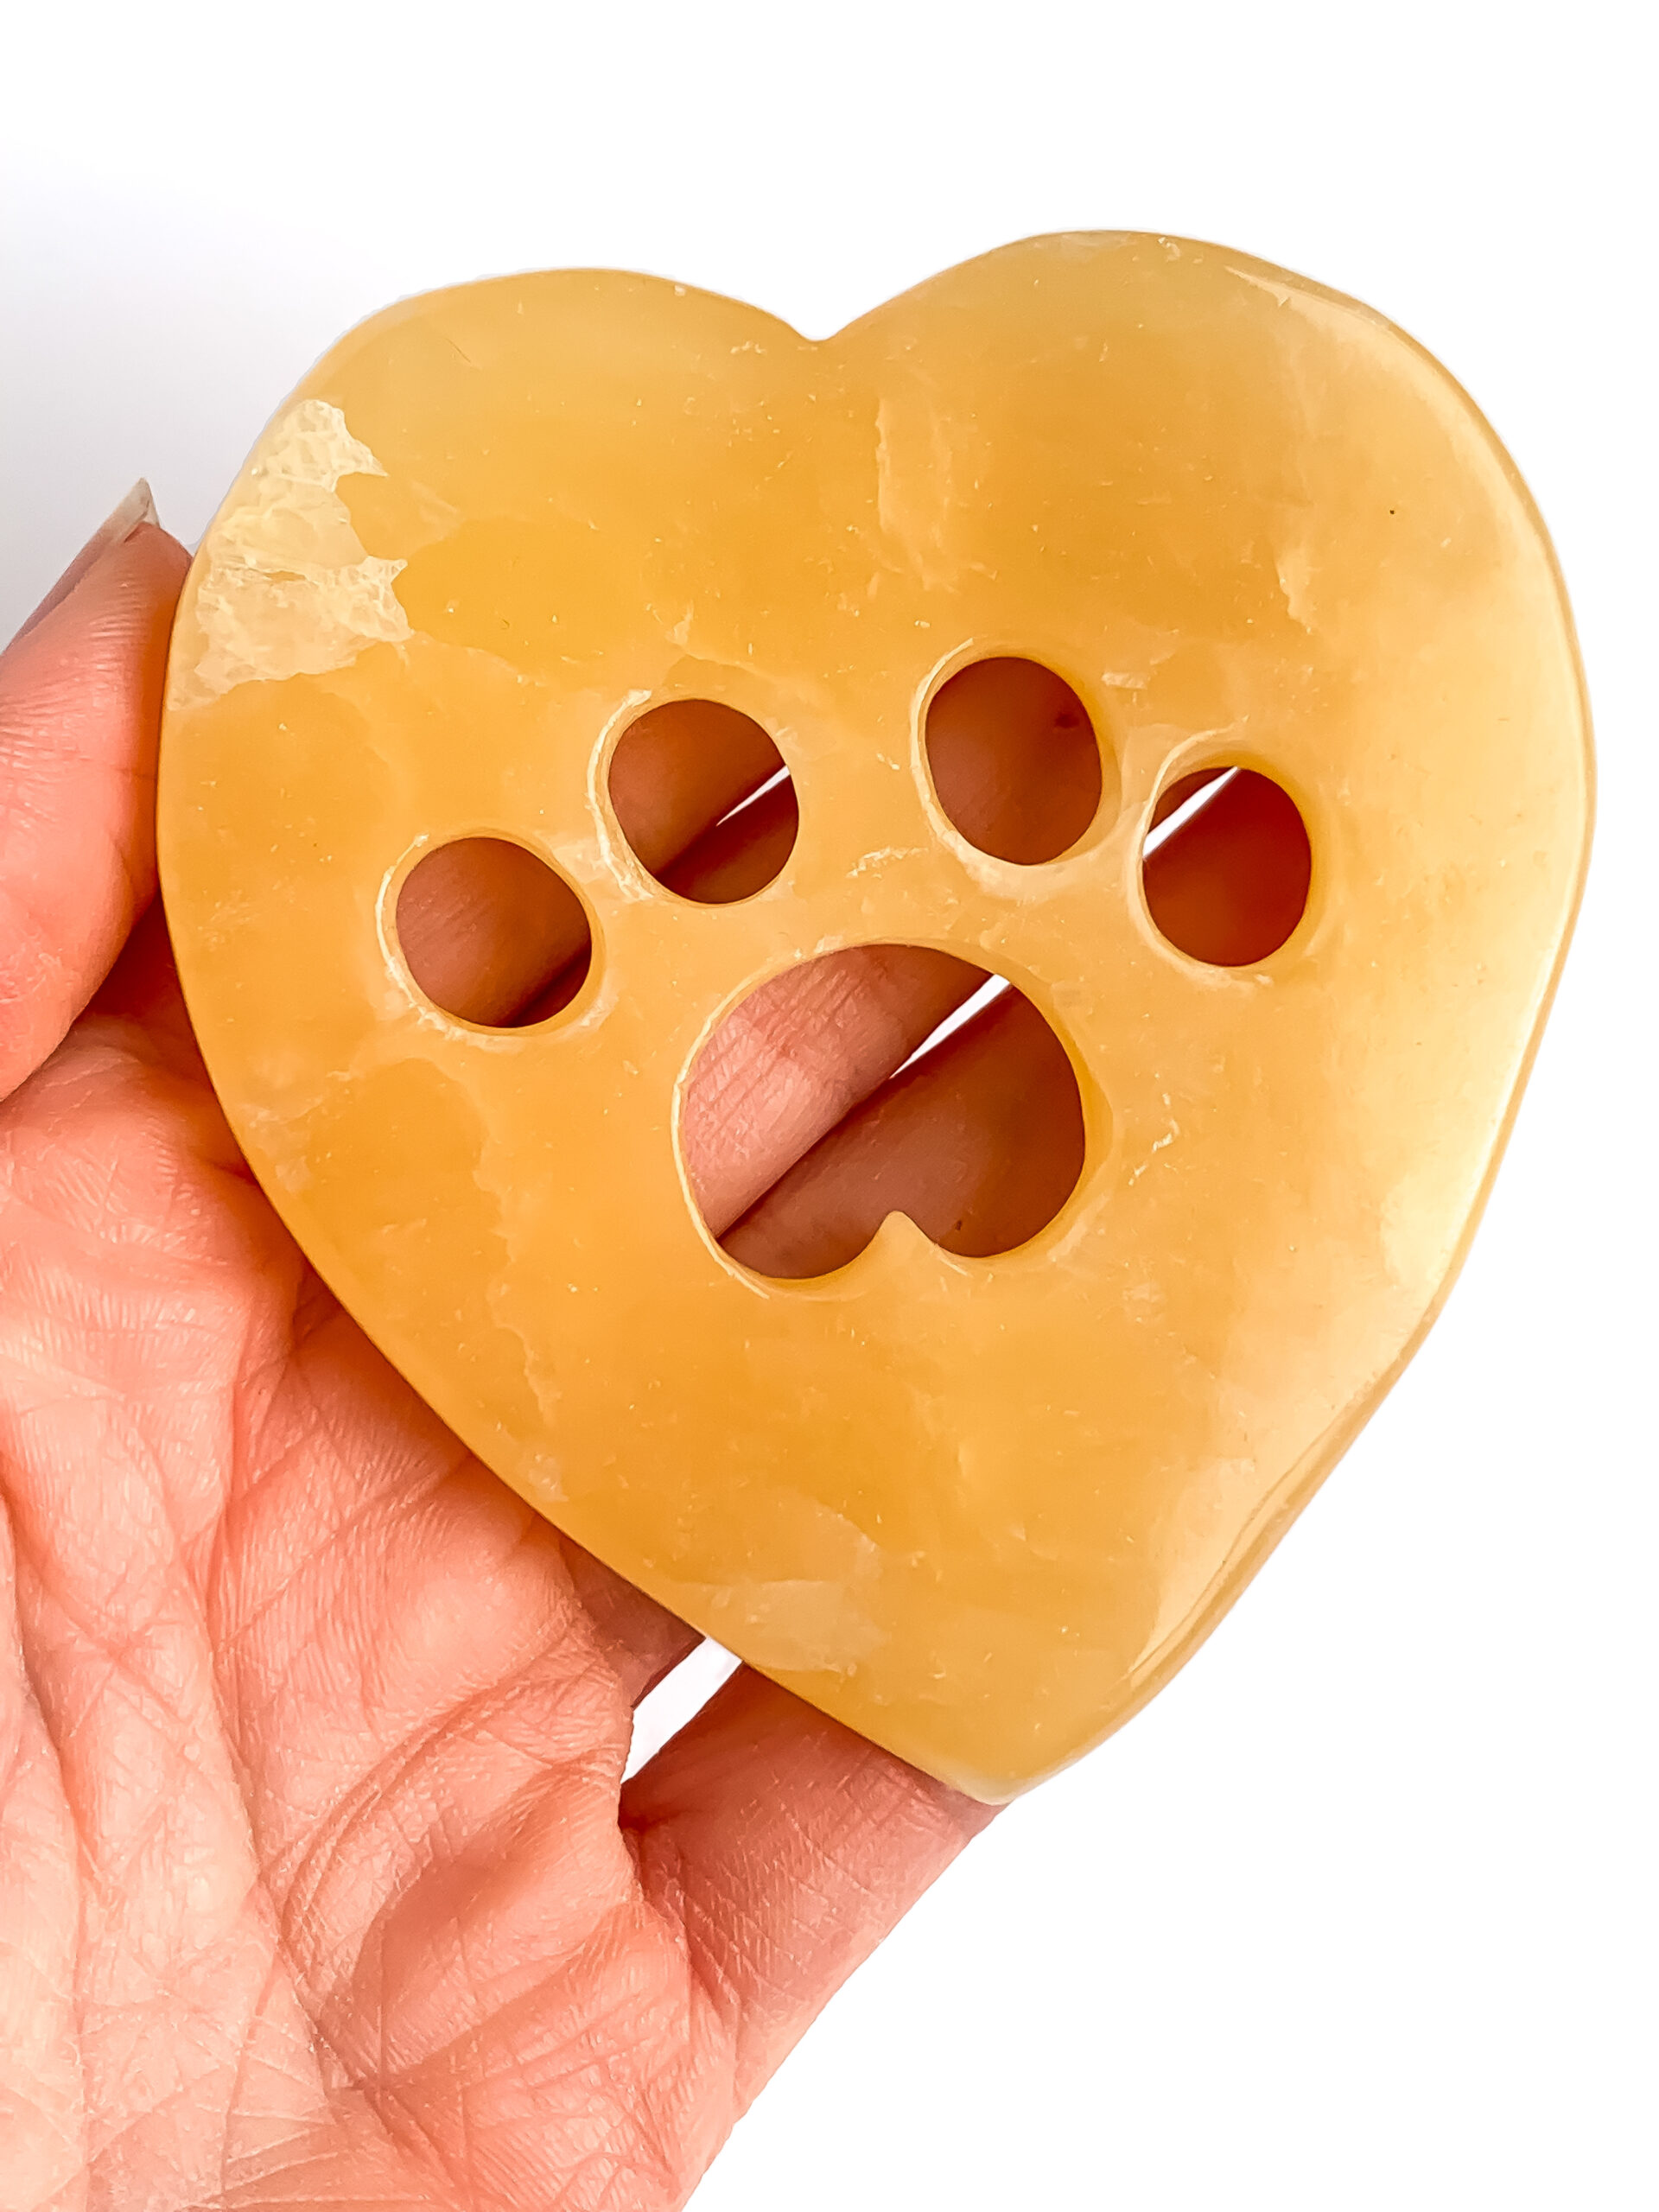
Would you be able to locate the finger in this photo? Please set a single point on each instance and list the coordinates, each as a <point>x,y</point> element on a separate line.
<point>800,1053</point>
<point>138,506</point>
<point>1014,758</point>
<point>1234,879</point>
<point>80,694</point>
<point>740,855</point>
<point>980,1143</point>
<point>643,1640</point>
<point>679,769</point>
<point>785,1849</point>
<point>487,930</point>
<point>143,988</point>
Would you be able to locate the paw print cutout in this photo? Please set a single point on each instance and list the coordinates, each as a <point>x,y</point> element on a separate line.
<point>521,558</point>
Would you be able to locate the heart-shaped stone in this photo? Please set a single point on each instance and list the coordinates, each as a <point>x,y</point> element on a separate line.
<point>978,1509</point>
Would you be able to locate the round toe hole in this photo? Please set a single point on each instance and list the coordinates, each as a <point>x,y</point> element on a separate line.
<point>492,934</point>
<point>888,1078</point>
<point>704,800</point>
<point>1015,760</point>
<point>1226,865</point>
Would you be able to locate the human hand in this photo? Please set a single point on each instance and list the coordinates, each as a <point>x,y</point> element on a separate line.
<point>320,1882</point>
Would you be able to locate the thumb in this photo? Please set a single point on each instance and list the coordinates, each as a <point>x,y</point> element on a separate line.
<point>80,701</point>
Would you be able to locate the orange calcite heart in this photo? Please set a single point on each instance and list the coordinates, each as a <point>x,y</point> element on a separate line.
<point>977,1508</point>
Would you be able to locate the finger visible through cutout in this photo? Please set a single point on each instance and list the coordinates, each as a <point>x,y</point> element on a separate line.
<point>980,1142</point>
<point>492,934</point>
<point>795,1056</point>
<point>699,762</point>
<point>1230,885</point>
<point>1015,759</point>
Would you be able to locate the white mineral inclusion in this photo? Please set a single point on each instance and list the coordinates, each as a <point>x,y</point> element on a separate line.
<point>289,588</point>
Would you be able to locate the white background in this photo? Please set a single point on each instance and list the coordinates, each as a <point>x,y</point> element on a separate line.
<point>1359,1913</point>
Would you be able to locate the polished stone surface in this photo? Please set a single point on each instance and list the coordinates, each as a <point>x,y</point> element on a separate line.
<point>978,1509</point>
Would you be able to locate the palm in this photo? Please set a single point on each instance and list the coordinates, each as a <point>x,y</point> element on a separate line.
<point>318,1878</point>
